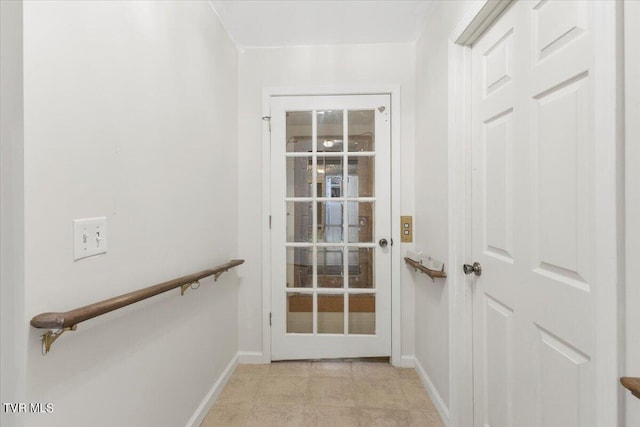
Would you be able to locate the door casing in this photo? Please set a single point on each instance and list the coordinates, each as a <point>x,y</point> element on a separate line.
<point>396,301</point>
<point>478,19</point>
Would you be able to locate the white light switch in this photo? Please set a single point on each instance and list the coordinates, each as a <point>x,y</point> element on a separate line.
<point>89,237</point>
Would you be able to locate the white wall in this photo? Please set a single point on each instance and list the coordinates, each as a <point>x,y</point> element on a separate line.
<point>11,208</point>
<point>431,196</point>
<point>130,111</point>
<point>632,234</point>
<point>372,66</point>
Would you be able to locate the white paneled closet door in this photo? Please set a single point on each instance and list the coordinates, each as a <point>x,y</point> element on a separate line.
<point>534,181</point>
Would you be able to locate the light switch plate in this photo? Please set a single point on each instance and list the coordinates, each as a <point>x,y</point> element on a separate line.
<point>406,229</point>
<point>89,237</point>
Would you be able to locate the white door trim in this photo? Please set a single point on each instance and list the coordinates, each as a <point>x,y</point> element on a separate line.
<point>608,200</point>
<point>396,285</point>
<point>632,199</point>
<point>609,211</point>
<point>478,19</point>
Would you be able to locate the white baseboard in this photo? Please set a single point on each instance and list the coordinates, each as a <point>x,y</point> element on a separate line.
<point>433,393</point>
<point>210,398</point>
<point>252,358</point>
<point>406,361</point>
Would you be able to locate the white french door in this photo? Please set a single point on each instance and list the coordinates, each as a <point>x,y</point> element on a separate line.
<point>534,210</point>
<point>330,226</point>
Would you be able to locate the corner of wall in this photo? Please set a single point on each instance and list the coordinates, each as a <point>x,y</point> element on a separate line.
<point>435,396</point>
<point>12,315</point>
<point>213,393</point>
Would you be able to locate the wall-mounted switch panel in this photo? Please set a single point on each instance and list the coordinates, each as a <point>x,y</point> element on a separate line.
<point>89,237</point>
<point>406,229</point>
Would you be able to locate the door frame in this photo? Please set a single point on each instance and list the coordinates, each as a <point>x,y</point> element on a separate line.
<point>608,196</point>
<point>396,279</point>
<point>632,197</point>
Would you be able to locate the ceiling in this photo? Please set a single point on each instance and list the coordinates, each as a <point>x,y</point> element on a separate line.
<point>311,22</point>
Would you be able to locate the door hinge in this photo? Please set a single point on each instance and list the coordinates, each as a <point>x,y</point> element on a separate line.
<point>270,316</point>
<point>267,118</point>
<point>269,222</point>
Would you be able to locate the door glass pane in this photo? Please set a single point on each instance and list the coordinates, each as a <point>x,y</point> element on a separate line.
<point>331,314</point>
<point>299,177</point>
<point>299,131</point>
<point>330,267</point>
<point>362,314</point>
<point>299,313</point>
<point>330,130</point>
<point>299,267</point>
<point>361,268</point>
<point>322,164</point>
<point>330,222</point>
<point>361,130</point>
<point>330,176</point>
<point>361,173</point>
<point>360,222</point>
<point>299,221</point>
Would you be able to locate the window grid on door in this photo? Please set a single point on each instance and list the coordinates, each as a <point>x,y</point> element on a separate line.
<point>338,244</point>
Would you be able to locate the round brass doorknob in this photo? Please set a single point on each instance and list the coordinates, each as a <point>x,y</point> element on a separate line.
<point>383,243</point>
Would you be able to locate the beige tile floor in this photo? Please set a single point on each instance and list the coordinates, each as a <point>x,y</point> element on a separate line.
<point>332,394</point>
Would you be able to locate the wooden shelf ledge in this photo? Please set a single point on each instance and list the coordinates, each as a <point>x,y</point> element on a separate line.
<point>632,384</point>
<point>434,274</point>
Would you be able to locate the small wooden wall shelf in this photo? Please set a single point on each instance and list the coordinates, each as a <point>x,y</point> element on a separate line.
<point>68,320</point>
<point>631,384</point>
<point>434,274</point>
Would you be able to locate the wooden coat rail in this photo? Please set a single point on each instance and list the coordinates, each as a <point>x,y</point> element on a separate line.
<point>68,320</point>
<point>631,384</point>
<point>434,274</point>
